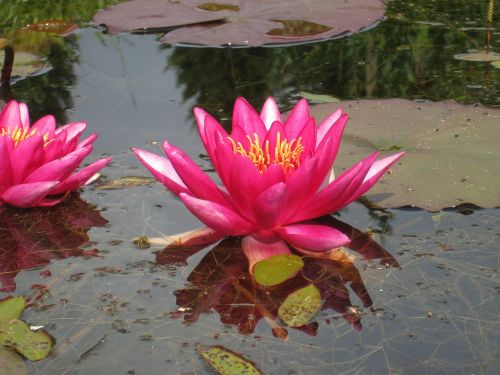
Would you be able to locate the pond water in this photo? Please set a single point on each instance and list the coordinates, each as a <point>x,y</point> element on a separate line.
<point>428,304</point>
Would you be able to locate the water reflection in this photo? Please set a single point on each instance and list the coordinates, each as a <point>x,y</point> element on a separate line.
<point>221,282</point>
<point>31,238</point>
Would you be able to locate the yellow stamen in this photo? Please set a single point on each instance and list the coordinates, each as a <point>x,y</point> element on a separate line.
<point>287,154</point>
<point>19,134</point>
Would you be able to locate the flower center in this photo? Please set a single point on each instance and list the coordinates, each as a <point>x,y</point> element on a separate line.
<point>18,135</point>
<point>285,153</point>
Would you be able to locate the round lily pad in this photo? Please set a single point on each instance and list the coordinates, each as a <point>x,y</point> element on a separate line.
<point>25,64</point>
<point>300,306</point>
<point>277,269</point>
<point>242,22</point>
<point>478,56</point>
<point>452,154</point>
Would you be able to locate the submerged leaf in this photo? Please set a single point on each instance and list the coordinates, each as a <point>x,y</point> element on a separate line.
<point>17,335</point>
<point>300,306</point>
<point>11,308</point>
<point>276,269</point>
<point>226,362</point>
<point>126,182</point>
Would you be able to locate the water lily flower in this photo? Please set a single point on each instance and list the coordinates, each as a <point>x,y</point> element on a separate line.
<point>38,162</point>
<point>275,177</point>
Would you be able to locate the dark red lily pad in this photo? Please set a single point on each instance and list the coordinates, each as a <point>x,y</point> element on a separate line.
<point>242,22</point>
<point>452,150</point>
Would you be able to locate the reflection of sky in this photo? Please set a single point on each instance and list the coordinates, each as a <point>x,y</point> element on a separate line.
<point>124,92</point>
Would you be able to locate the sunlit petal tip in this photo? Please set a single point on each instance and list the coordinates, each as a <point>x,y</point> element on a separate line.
<point>257,251</point>
<point>24,114</point>
<point>270,112</point>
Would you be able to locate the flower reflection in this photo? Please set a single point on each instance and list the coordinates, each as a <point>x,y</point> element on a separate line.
<point>30,239</point>
<point>221,282</point>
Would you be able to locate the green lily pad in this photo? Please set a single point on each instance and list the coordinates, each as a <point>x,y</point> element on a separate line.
<point>452,154</point>
<point>276,269</point>
<point>226,362</point>
<point>11,363</point>
<point>300,306</point>
<point>12,308</point>
<point>17,335</point>
<point>25,64</point>
<point>496,64</point>
<point>126,182</point>
<point>478,56</point>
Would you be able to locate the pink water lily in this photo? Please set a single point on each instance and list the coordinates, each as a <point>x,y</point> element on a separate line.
<point>38,162</point>
<point>275,178</point>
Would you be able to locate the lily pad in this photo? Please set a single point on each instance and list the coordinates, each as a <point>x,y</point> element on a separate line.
<point>25,64</point>
<point>496,64</point>
<point>16,334</point>
<point>227,362</point>
<point>11,308</point>
<point>126,182</point>
<point>318,98</point>
<point>276,269</point>
<point>300,306</point>
<point>452,150</point>
<point>242,22</point>
<point>478,56</point>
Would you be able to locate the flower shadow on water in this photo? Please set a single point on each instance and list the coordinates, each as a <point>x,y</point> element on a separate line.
<point>31,238</point>
<point>221,282</point>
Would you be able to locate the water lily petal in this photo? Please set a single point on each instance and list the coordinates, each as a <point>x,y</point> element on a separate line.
<point>301,185</point>
<point>269,206</point>
<point>59,169</point>
<point>191,174</point>
<point>73,130</point>
<point>308,139</point>
<point>214,135</point>
<point>297,118</point>
<point>27,195</point>
<point>224,157</point>
<point>326,125</point>
<point>24,115</point>
<point>5,166</point>
<point>256,250</point>
<point>245,184</point>
<point>87,141</point>
<point>45,126</point>
<point>216,216</point>
<point>276,130</point>
<point>10,117</point>
<point>313,237</point>
<point>270,113</point>
<point>80,178</point>
<point>161,168</point>
<point>273,175</point>
<point>246,117</point>
<point>54,148</point>
<point>51,201</point>
<point>26,157</point>
<point>376,171</point>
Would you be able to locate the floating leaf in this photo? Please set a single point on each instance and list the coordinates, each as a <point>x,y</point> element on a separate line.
<point>25,64</point>
<point>126,182</point>
<point>318,98</point>
<point>17,335</point>
<point>11,363</point>
<point>478,56</point>
<point>11,308</point>
<point>452,150</point>
<point>242,22</point>
<point>59,27</point>
<point>226,362</point>
<point>496,64</point>
<point>276,269</point>
<point>300,306</point>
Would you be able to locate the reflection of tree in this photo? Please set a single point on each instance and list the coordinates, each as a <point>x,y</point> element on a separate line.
<point>221,282</point>
<point>395,59</point>
<point>31,238</point>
